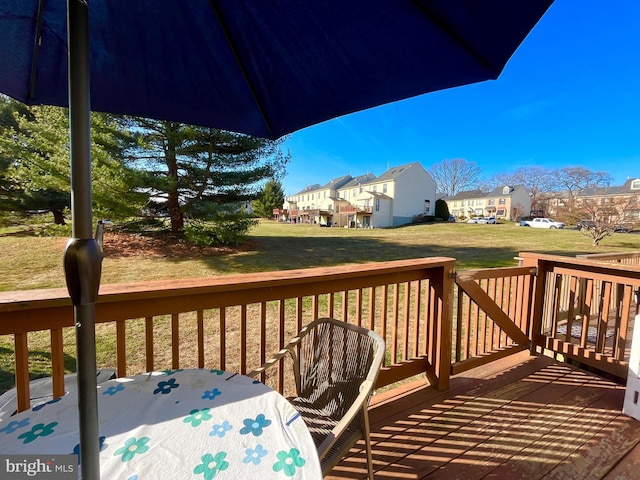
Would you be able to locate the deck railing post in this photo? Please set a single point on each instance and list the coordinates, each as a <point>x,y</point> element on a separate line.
<point>537,300</point>
<point>443,284</point>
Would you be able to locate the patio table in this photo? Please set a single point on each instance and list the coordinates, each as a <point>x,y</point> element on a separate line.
<point>194,423</point>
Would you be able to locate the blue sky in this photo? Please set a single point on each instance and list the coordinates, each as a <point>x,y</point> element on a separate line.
<point>570,95</point>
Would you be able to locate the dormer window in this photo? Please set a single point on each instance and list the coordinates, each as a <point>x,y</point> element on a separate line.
<point>635,185</point>
<point>505,190</point>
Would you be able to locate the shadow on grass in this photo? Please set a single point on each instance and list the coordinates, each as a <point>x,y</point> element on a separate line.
<point>283,253</point>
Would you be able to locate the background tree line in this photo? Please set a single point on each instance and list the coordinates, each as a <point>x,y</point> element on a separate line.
<point>562,187</point>
<point>152,172</point>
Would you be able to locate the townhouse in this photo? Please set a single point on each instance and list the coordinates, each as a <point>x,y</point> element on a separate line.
<point>505,203</point>
<point>394,198</point>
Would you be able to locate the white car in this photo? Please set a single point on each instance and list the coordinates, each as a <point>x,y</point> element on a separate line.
<point>487,220</point>
<point>473,220</point>
<point>545,223</point>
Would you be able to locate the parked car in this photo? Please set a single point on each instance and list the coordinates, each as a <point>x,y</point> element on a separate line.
<point>545,223</point>
<point>487,220</point>
<point>618,228</point>
<point>473,220</point>
<point>585,224</point>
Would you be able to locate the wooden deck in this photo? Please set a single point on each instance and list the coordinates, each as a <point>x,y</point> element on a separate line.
<point>521,417</point>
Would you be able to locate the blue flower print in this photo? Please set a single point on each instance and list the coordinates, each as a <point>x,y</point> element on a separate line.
<point>76,449</point>
<point>288,461</point>
<point>220,430</point>
<point>211,465</point>
<point>211,394</point>
<point>196,417</point>
<point>165,387</point>
<point>171,372</point>
<point>13,425</point>
<point>38,430</point>
<point>42,405</point>
<point>254,426</point>
<point>217,372</point>
<point>255,455</point>
<point>112,390</point>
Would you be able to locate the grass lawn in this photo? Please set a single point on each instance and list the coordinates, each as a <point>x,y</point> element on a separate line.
<point>29,262</point>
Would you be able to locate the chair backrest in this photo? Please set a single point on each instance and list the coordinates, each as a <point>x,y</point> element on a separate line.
<point>334,359</point>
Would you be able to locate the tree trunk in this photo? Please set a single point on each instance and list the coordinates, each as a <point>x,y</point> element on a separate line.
<point>58,216</point>
<point>173,201</point>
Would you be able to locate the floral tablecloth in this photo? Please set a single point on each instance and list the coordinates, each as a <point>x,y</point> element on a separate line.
<point>176,425</point>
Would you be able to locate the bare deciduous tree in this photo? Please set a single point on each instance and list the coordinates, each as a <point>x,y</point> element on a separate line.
<point>453,176</point>
<point>570,182</point>
<point>604,217</point>
<point>538,181</point>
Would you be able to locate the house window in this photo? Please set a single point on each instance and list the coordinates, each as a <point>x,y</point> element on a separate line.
<point>355,192</point>
<point>501,212</point>
<point>502,201</point>
<point>427,206</point>
<point>377,204</point>
<point>375,188</point>
<point>505,190</point>
<point>384,188</point>
<point>492,202</point>
<point>635,185</point>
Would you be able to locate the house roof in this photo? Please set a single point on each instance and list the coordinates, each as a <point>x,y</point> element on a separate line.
<point>359,180</point>
<point>496,192</point>
<point>338,182</point>
<point>394,172</point>
<point>308,189</point>
<point>468,194</point>
<point>623,189</point>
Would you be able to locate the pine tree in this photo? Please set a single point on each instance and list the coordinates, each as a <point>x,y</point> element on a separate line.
<point>202,173</point>
<point>271,197</point>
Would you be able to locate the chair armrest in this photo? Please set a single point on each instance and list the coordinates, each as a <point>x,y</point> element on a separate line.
<point>271,362</point>
<point>360,402</point>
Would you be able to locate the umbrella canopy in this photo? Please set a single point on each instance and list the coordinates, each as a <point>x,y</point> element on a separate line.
<point>265,68</point>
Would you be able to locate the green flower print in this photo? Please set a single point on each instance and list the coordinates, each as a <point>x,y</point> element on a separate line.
<point>38,430</point>
<point>196,417</point>
<point>211,465</point>
<point>132,447</point>
<point>288,461</point>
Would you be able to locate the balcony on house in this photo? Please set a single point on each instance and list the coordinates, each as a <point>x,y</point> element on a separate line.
<point>355,209</point>
<point>512,372</point>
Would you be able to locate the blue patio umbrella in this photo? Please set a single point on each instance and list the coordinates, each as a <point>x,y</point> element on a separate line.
<point>264,68</point>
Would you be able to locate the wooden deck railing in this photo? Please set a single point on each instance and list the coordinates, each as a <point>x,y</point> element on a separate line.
<point>583,309</point>
<point>235,322</point>
<point>492,315</point>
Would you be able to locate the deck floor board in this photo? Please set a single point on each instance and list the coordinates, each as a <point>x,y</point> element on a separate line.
<point>524,417</point>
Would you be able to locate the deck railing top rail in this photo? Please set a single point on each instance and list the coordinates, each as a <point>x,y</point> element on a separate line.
<point>631,257</point>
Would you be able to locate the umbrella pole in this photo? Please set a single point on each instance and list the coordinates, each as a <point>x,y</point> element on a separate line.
<point>83,257</point>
